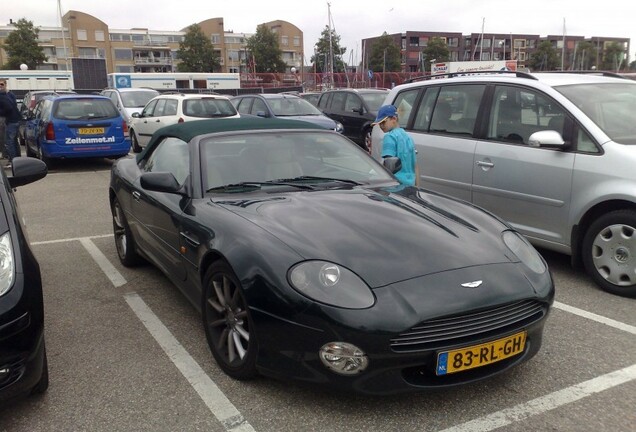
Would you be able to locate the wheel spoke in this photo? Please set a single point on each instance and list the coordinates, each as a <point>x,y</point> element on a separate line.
<point>219,293</point>
<point>236,337</point>
<point>227,284</point>
<point>216,306</point>
<point>223,339</point>
<point>231,348</point>
<point>217,323</point>
<point>242,332</point>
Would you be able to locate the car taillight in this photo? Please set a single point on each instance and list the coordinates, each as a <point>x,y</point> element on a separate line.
<point>50,132</point>
<point>125,127</point>
<point>181,120</point>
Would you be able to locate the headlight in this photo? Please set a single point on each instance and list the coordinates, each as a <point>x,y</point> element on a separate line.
<point>7,263</point>
<point>331,284</point>
<point>339,127</point>
<point>524,251</point>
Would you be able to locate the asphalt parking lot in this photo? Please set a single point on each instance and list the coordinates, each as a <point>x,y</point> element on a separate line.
<point>127,352</point>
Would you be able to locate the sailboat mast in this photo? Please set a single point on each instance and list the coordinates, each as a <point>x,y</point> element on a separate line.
<point>330,46</point>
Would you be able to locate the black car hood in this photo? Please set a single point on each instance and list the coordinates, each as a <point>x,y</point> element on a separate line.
<point>384,235</point>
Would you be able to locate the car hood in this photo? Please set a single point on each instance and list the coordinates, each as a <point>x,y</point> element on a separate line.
<point>384,235</point>
<point>319,120</point>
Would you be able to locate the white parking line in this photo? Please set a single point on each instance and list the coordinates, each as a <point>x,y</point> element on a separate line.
<point>69,239</point>
<point>212,396</point>
<point>109,270</point>
<point>548,402</point>
<point>598,318</point>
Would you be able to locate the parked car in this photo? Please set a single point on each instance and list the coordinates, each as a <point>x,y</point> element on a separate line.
<point>308,260</point>
<point>129,100</point>
<point>553,154</point>
<point>27,106</point>
<point>168,109</point>
<point>311,97</point>
<point>23,362</point>
<point>76,126</point>
<point>355,109</point>
<point>272,105</point>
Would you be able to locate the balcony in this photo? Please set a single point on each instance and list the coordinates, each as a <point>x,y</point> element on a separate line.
<point>153,61</point>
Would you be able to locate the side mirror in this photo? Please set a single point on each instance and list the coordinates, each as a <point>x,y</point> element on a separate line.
<point>136,115</point>
<point>261,114</point>
<point>160,182</point>
<point>26,170</point>
<point>547,139</point>
<point>392,164</point>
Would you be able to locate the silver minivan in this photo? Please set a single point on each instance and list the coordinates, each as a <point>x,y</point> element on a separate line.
<point>553,154</point>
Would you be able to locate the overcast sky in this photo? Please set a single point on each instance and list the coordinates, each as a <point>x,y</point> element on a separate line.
<point>352,20</point>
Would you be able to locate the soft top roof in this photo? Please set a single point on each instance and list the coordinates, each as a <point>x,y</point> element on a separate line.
<point>188,130</point>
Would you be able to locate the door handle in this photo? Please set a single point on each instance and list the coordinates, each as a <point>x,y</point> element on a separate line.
<point>485,164</point>
<point>136,195</point>
<point>157,121</point>
<point>189,239</point>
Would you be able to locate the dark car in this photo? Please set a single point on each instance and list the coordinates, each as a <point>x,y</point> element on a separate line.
<point>309,261</point>
<point>271,105</point>
<point>23,364</point>
<point>355,109</point>
<point>311,97</point>
<point>77,126</point>
<point>27,106</point>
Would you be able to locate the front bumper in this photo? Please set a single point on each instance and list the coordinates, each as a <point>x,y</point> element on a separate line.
<point>288,348</point>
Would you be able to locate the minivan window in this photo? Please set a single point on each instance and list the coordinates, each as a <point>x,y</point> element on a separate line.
<point>137,99</point>
<point>610,106</point>
<point>373,100</point>
<point>404,104</point>
<point>516,113</point>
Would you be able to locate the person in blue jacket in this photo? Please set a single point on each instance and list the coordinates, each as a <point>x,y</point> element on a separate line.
<point>398,143</point>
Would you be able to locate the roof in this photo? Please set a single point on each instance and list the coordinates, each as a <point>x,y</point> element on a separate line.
<point>188,130</point>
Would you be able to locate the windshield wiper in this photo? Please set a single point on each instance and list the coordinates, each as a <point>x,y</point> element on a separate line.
<point>257,185</point>
<point>326,179</point>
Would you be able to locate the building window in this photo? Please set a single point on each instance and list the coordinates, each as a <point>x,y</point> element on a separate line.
<point>453,42</point>
<point>414,41</point>
<point>123,54</point>
<point>124,69</point>
<point>215,38</point>
<point>284,40</point>
<point>99,35</point>
<point>87,52</point>
<point>296,40</point>
<point>81,35</point>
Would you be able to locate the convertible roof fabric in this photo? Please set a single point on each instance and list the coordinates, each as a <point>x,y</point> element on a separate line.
<point>188,130</point>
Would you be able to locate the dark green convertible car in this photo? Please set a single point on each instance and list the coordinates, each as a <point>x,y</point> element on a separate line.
<point>309,261</point>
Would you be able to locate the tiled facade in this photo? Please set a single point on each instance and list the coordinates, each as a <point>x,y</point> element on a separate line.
<point>145,50</point>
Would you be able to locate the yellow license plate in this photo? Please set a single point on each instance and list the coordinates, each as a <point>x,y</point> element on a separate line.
<point>480,355</point>
<point>91,131</point>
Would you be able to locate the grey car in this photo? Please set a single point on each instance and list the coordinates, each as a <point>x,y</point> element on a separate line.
<point>283,105</point>
<point>553,154</point>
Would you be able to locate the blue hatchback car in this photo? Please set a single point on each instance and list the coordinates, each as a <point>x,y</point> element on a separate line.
<point>76,126</point>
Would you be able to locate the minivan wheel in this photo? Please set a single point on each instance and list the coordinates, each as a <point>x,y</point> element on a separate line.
<point>609,252</point>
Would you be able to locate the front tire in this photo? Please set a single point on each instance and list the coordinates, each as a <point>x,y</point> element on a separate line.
<point>609,252</point>
<point>124,241</point>
<point>135,142</point>
<point>228,326</point>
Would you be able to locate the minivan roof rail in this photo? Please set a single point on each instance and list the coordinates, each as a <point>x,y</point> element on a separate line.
<point>590,72</point>
<point>456,74</point>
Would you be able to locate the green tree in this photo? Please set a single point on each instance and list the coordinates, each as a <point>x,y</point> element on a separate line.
<point>264,51</point>
<point>436,50</point>
<point>385,55</point>
<point>196,53</point>
<point>584,56</point>
<point>321,52</point>
<point>613,58</point>
<point>545,58</point>
<point>22,46</point>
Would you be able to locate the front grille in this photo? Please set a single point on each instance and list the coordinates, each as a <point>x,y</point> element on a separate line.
<point>16,369</point>
<point>469,327</point>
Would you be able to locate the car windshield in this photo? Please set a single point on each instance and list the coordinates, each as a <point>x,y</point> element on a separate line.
<point>374,100</point>
<point>137,99</point>
<point>208,107</point>
<point>610,106</point>
<point>84,109</point>
<point>320,159</point>
<point>292,106</point>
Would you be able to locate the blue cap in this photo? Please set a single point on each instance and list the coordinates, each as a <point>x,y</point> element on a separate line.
<point>384,112</point>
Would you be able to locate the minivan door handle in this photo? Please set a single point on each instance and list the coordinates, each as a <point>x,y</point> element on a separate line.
<point>136,196</point>
<point>485,164</point>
